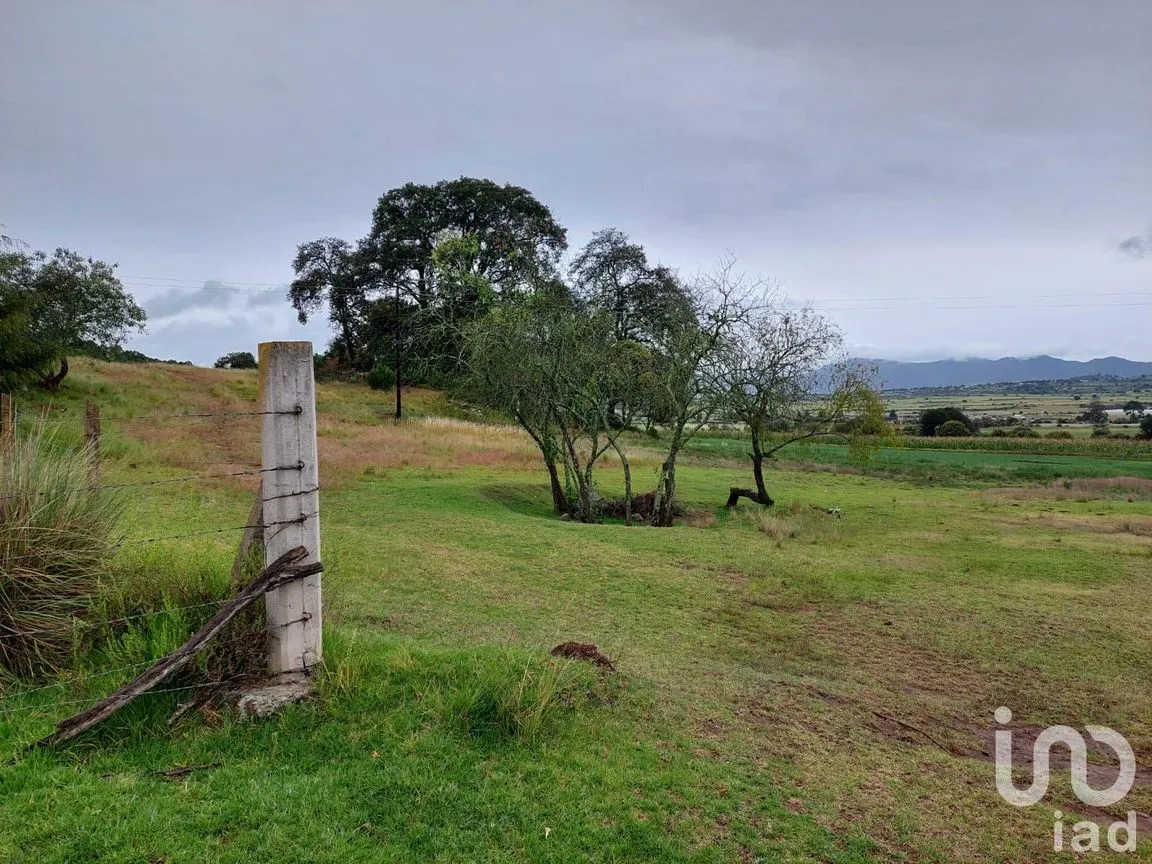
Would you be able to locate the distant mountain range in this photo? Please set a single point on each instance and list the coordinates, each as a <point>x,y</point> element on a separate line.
<point>897,375</point>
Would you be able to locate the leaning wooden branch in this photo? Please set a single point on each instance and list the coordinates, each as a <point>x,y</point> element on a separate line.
<point>282,570</point>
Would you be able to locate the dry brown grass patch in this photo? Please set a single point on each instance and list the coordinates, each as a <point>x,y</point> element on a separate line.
<point>1083,489</point>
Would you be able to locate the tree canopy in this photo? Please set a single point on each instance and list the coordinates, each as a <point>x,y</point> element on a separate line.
<point>70,304</point>
<point>237,360</point>
<point>935,417</point>
<point>441,253</point>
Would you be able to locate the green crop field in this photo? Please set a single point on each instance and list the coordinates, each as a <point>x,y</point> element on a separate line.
<point>1005,460</point>
<point>789,686</point>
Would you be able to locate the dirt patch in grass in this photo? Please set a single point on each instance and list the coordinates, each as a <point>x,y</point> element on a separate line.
<point>882,723</point>
<point>585,651</point>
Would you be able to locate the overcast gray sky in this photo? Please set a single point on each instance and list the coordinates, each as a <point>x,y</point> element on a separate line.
<point>855,152</point>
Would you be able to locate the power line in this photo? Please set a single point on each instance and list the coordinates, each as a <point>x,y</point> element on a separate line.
<point>272,287</point>
<point>976,306</point>
<point>200,282</point>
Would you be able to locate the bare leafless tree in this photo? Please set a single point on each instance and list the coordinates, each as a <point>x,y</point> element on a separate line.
<point>775,375</point>
<point>688,379</point>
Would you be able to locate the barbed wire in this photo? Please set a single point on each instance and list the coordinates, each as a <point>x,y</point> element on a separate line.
<point>81,625</point>
<point>146,540</point>
<point>151,418</point>
<point>182,462</point>
<point>168,611</point>
<point>51,705</point>
<point>218,642</point>
<point>75,680</point>
<point>248,472</point>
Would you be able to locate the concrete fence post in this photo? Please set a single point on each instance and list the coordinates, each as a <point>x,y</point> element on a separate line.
<point>290,501</point>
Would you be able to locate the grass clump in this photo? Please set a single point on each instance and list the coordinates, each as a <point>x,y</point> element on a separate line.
<point>498,698</point>
<point>55,542</point>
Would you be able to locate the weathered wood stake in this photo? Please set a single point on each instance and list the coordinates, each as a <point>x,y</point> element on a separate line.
<point>7,422</point>
<point>253,534</point>
<point>287,567</point>
<point>92,436</point>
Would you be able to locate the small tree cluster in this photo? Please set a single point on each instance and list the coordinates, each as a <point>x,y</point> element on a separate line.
<point>952,429</point>
<point>54,306</point>
<point>578,366</point>
<point>236,360</point>
<point>1146,426</point>
<point>933,418</point>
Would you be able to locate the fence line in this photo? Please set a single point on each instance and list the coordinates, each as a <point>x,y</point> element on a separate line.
<point>289,458</point>
<point>19,708</point>
<point>246,473</point>
<point>100,673</point>
<point>145,540</point>
<point>152,418</point>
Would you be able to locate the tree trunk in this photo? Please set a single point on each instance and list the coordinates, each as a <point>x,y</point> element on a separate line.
<point>587,508</point>
<point>586,512</point>
<point>346,330</point>
<point>665,494</point>
<point>627,483</point>
<point>52,382</point>
<point>559,501</point>
<point>758,471</point>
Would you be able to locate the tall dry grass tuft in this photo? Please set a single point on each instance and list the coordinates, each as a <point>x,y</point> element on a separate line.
<point>54,544</point>
<point>794,521</point>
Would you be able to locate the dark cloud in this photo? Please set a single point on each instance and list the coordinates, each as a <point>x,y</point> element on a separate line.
<point>849,149</point>
<point>1138,246</point>
<point>176,300</point>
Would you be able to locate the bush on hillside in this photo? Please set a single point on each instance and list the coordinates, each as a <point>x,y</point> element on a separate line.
<point>55,538</point>
<point>935,417</point>
<point>952,429</point>
<point>236,360</point>
<point>381,377</point>
<point>1061,434</point>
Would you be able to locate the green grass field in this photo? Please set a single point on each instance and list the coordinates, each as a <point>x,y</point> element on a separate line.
<point>790,686</point>
<point>940,463</point>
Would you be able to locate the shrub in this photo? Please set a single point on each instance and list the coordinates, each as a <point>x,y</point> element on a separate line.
<point>1094,413</point>
<point>1146,426</point>
<point>1100,430</point>
<point>236,360</point>
<point>952,429</point>
<point>1025,432</point>
<point>999,433</point>
<point>55,537</point>
<point>1062,434</point>
<point>381,377</point>
<point>934,417</point>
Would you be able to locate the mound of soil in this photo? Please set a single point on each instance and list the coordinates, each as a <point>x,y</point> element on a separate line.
<point>585,651</point>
